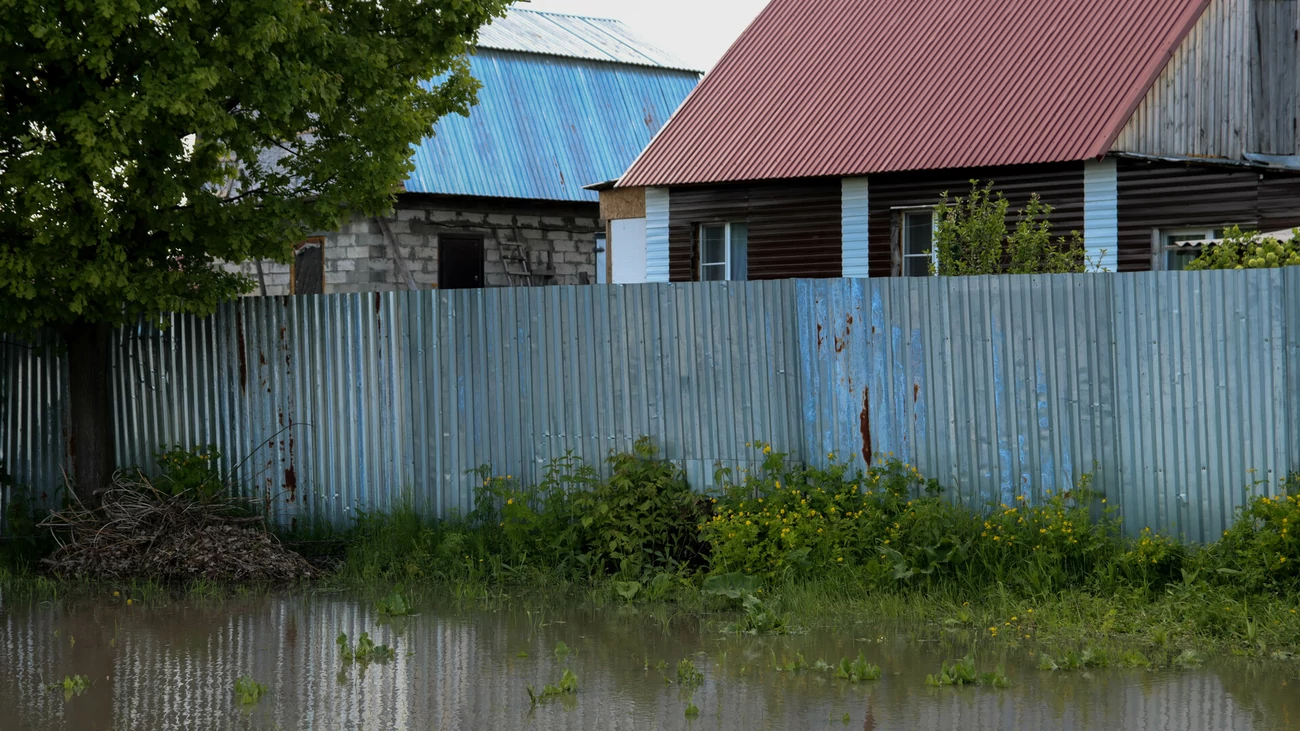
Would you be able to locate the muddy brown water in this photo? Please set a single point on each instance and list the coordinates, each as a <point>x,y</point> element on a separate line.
<point>174,667</point>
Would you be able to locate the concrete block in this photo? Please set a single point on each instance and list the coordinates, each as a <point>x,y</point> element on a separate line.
<point>532,233</point>
<point>528,221</point>
<point>412,214</point>
<point>559,235</point>
<point>565,245</point>
<point>379,265</point>
<point>358,252</point>
<point>379,251</point>
<point>424,228</point>
<point>500,219</point>
<point>555,222</point>
<point>345,265</point>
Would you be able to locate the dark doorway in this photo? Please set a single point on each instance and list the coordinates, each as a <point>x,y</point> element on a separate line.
<point>460,262</point>
<point>308,275</point>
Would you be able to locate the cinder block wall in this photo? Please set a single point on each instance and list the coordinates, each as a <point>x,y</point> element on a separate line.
<point>359,259</point>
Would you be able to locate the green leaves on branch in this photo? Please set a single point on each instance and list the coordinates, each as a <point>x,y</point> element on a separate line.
<point>144,143</point>
<point>971,237</point>
<point>1248,250</point>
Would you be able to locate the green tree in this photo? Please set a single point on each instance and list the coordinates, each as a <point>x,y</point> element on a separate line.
<point>971,237</point>
<point>1248,250</point>
<point>143,141</point>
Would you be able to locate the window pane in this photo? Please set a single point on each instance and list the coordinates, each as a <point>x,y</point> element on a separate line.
<point>739,252</point>
<point>918,228</point>
<point>713,245</point>
<point>1178,259</point>
<point>713,273</point>
<point>916,266</point>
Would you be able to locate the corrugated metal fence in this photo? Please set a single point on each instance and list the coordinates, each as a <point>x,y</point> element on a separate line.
<point>1174,389</point>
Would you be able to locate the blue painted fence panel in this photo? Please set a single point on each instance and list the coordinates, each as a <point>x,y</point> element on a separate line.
<point>1175,390</point>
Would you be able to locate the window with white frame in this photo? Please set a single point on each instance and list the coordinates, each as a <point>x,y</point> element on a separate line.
<point>1175,248</point>
<point>916,242</point>
<point>724,251</point>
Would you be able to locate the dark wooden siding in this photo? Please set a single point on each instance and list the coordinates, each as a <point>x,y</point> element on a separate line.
<point>1060,186</point>
<point>1155,195</point>
<point>794,227</point>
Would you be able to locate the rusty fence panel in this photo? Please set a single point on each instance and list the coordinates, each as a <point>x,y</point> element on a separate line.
<point>1176,391</point>
<point>1169,388</point>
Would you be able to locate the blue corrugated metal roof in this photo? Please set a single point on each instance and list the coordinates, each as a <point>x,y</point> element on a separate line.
<point>545,126</point>
<point>573,36</point>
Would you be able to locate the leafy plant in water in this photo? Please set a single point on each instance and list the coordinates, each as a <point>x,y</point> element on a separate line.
<point>692,710</point>
<point>758,619</point>
<point>687,674</point>
<point>568,685</point>
<point>1075,660</point>
<point>962,672</point>
<point>71,685</point>
<point>857,670</point>
<point>394,605</point>
<point>798,664</point>
<point>248,691</point>
<point>365,651</point>
<point>562,651</point>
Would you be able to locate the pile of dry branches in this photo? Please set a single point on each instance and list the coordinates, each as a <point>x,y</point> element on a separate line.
<point>139,531</point>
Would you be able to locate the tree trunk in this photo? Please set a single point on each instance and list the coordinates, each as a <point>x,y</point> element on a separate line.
<point>92,419</point>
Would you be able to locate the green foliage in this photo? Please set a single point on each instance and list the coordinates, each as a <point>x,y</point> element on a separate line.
<point>1247,250</point>
<point>135,145</point>
<point>365,651</point>
<point>195,471</point>
<point>692,710</point>
<point>568,685</point>
<point>71,685</point>
<point>963,672</point>
<point>759,618</point>
<point>857,670</point>
<point>394,605</point>
<point>1261,551</point>
<point>687,674</point>
<point>1085,659</point>
<point>643,517</point>
<point>971,237</point>
<point>249,691</point>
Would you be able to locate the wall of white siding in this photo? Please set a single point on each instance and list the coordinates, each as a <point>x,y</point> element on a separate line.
<point>656,234</point>
<point>853,216</point>
<point>1101,214</point>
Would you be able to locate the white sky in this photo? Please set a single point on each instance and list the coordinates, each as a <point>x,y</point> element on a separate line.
<point>696,31</point>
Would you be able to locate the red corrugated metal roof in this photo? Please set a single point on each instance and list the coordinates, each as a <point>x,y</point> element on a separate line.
<point>851,87</point>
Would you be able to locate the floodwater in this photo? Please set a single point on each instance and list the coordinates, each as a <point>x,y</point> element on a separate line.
<point>174,667</point>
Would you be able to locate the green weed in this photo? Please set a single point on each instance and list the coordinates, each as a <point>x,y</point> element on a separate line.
<point>857,670</point>
<point>963,672</point>
<point>71,685</point>
<point>568,685</point>
<point>687,674</point>
<point>248,691</point>
<point>365,650</point>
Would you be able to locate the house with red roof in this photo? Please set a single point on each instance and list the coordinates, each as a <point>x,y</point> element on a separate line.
<point>822,140</point>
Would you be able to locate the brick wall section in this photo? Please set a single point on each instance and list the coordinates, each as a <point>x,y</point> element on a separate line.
<point>359,259</point>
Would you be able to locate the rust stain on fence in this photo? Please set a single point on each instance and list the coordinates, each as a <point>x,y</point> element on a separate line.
<point>864,425</point>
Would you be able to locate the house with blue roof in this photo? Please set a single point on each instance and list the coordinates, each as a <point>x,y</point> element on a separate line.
<point>499,198</point>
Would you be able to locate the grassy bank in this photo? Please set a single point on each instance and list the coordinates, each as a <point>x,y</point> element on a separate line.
<point>789,547</point>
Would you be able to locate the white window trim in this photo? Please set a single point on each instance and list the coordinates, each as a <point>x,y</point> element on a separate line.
<point>903,211</point>
<point>1160,252</point>
<point>726,250</point>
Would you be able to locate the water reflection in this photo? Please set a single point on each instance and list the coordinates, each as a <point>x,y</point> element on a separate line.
<point>175,668</point>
